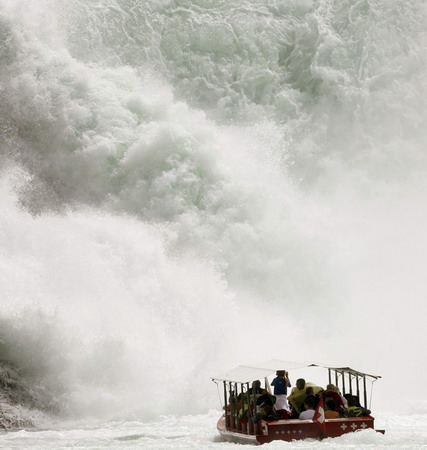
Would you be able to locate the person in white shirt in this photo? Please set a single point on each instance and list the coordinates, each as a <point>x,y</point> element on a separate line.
<point>309,409</point>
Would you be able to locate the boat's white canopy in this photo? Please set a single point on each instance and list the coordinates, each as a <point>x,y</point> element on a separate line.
<point>250,372</point>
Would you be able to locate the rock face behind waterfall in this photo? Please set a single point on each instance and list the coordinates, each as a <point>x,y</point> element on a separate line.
<point>18,405</point>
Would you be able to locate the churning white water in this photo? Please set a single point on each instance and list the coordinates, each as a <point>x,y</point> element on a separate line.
<point>190,185</point>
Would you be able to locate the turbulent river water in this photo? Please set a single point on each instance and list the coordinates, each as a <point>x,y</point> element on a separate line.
<point>187,185</point>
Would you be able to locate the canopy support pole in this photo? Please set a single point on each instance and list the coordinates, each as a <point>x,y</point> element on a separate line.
<point>234,424</point>
<point>358,388</point>
<point>364,392</point>
<point>236,414</point>
<point>243,407</point>
<point>249,414</point>
<point>227,418</point>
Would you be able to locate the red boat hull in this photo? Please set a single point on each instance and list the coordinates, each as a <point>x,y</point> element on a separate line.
<point>289,430</point>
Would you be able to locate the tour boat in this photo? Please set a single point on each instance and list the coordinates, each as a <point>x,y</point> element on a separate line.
<point>237,382</point>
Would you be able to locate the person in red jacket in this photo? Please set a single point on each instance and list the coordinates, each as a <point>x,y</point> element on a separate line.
<point>332,394</point>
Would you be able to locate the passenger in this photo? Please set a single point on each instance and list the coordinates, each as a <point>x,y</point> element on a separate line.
<point>265,399</point>
<point>256,388</point>
<point>300,384</point>
<point>266,413</point>
<point>309,409</point>
<point>233,402</point>
<point>356,399</point>
<point>242,405</point>
<point>312,399</point>
<point>331,410</point>
<point>344,400</point>
<point>332,393</point>
<point>281,384</point>
<point>296,398</point>
<point>309,391</point>
<point>243,412</point>
<point>298,394</point>
<point>347,396</point>
<point>354,410</point>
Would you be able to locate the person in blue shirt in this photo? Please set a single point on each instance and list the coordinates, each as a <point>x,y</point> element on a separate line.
<point>281,384</point>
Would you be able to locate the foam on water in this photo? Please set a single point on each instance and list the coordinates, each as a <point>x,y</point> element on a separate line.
<point>190,185</point>
<point>196,431</point>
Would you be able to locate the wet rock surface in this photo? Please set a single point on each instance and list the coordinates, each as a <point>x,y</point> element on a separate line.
<point>17,402</point>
